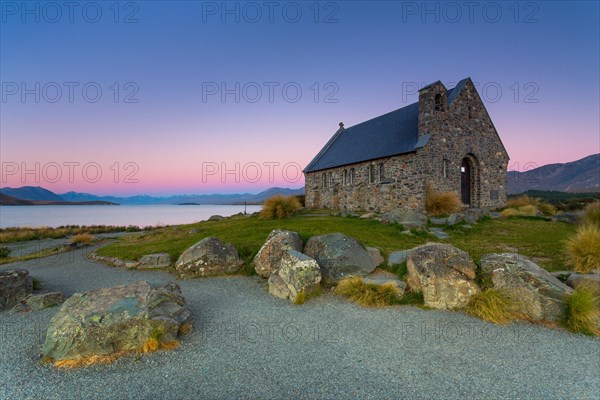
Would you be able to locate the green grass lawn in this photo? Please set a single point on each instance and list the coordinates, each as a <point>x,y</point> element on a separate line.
<point>540,239</point>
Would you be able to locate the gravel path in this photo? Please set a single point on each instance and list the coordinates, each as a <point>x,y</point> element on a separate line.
<point>249,344</point>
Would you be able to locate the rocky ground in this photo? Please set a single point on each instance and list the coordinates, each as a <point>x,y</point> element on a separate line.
<point>249,344</point>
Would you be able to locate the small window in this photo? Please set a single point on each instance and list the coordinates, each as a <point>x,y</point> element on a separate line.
<point>469,111</point>
<point>438,102</point>
<point>372,172</point>
<point>381,173</point>
<point>324,180</point>
<point>445,167</point>
<point>346,181</point>
<point>352,176</point>
<point>330,179</point>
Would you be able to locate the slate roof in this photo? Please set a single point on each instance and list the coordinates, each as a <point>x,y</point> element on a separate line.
<point>394,133</point>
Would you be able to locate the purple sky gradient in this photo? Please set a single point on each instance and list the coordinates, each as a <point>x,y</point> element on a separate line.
<point>365,58</point>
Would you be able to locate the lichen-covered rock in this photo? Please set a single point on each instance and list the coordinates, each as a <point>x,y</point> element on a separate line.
<point>208,257</point>
<point>542,295</point>
<point>589,281</point>
<point>299,273</point>
<point>40,301</point>
<point>268,258</point>
<point>15,285</point>
<point>397,257</point>
<point>278,288</point>
<point>406,218</point>
<point>339,256</point>
<point>114,320</point>
<point>444,274</point>
<point>156,260</point>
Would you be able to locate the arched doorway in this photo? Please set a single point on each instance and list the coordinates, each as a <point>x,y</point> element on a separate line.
<point>466,182</point>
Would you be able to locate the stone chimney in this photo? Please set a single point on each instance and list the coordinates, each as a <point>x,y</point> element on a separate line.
<point>433,107</point>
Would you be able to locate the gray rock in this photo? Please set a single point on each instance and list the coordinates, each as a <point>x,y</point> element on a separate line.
<point>208,257</point>
<point>455,218</point>
<point>495,214</point>
<point>193,231</point>
<point>216,217</point>
<point>406,218</point>
<point>112,320</point>
<point>589,281</point>
<point>299,273</point>
<point>15,285</point>
<point>40,301</point>
<point>339,256</point>
<point>439,233</point>
<point>368,216</point>
<point>156,260</point>
<point>398,257</point>
<point>444,274</point>
<point>278,288</point>
<point>561,275</point>
<point>568,217</point>
<point>438,221</point>
<point>380,277</point>
<point>268,258</point>
<point>375,255</point>
<point>542,295</point>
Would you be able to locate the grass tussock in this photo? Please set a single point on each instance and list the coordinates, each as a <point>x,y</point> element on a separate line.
<point>4,252</point>
<point>82,238</point>
<point>591,214</point>
<point>584,248</point>
<point>583,312</point>
<point>89,361</point>
<point>368,294</point>
<point>525,206</point>
<point>442,203</point>
<point>185,328</point>
<point>10,235</point>
<point>495,305</point>
<point>280,207</point>
<point>300,298</point>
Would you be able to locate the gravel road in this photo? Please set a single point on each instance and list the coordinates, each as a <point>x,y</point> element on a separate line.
<point>249,344</point>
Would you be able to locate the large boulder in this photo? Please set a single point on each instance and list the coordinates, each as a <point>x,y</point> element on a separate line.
<point>15,285</point>
<point>444,274</point>
<point>155,260</point>
<point>40,301</point>
<point>117,320</point>
<point>375,255</point>
<point>208,257</point>
<point>339,256</point>
<point>298,272</point>
<point>406,218</point>
<point>542,295</point>
<point>268,258</point>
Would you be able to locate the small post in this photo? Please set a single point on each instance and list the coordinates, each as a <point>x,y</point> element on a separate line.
<point>244,208</point>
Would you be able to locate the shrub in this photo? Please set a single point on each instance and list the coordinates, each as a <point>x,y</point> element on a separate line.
<point>280,206</point>
<point>4,252</point>
<point>368,294</point>
<point>82,238</point>
<point>495,305</point>
<point>522,211</point>
<point>521,201</point>
<point>591,214</point>
<point>439,203</point>
<point>584,248</point>
<point>582,312</point>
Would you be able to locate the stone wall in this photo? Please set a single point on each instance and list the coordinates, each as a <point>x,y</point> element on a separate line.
<point>460,130</point>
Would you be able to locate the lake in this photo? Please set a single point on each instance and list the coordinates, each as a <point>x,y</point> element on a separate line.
<point>53,216</point>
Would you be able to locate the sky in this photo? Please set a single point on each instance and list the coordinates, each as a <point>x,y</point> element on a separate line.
<point>166,98</point>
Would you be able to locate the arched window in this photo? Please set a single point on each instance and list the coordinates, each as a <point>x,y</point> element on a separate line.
<point>324,180</point>
<point>351,176</point>
<point>381,173</point>
<point>345,177</point>
<point>330,179</point>
<point>445,166</point>
<point>438,102</point>
<point>372,176</point>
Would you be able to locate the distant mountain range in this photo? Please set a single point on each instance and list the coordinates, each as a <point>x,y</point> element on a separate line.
<point>7,200</point>
<point>575,176</point>
<point>39,195</point>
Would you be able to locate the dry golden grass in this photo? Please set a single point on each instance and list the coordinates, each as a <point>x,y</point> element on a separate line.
<point>89,361</point>
<point>584,248</point>
<point>583,312</point>
<point>522,211</point>
<point>442,203</point>
<point>280,207</point>
<point>591,214</point>
<point>521,201</point>
<point>495,305</point>
<point>150,345</point>
<point>368,294</point>
<point>185,328</point>
<point>82,238</point>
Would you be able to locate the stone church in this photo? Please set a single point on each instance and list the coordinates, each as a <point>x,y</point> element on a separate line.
<point>446,139</point>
